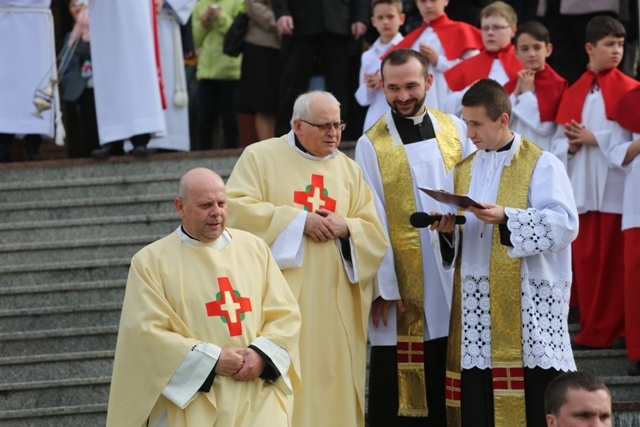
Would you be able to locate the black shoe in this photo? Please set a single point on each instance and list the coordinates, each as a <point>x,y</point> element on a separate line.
<point>140,151</point>
<point>634,368</point>
<point>107,151</point>
<point>619,343</point>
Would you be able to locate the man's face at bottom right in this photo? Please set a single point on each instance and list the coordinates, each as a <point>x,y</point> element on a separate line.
<point>583,409</point>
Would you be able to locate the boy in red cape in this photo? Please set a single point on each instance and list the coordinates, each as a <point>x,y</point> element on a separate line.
<point>496,60</point>
<point>622,150</point>
<point>598,253</point>
<point>537,90</point>
<point>443,42</point>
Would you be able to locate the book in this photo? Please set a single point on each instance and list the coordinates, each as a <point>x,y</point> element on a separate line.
<point>455,200</point>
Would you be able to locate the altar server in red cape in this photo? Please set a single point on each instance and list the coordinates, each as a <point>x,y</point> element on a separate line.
<point>443,42</point>
<point>537,90</point>
<point>584,128</point>
<point>496,59</point>
<point>622,150</point>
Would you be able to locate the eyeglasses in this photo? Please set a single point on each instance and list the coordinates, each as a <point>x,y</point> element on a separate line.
<point>338,126</point>
<point>494,28</point>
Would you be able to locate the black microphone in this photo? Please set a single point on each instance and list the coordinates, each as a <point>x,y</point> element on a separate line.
<point>423,219</point>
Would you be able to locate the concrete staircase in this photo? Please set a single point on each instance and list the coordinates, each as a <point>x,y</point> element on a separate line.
<point>68,230</point>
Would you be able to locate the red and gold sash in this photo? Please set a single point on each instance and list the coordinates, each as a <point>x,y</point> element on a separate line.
<point>505,290</point>
<point>398,189</point>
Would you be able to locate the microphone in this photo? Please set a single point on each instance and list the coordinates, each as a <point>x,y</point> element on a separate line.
<point>423,219</point>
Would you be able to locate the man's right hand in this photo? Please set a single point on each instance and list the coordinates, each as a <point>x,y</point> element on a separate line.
<point>380,308</point>
<point>318,228</point>
<point>230,361</point>
<point>285,25</point>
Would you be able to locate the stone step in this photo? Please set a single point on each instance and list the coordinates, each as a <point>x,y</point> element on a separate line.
<point>67,416</point>
<point>623,388</point>
<point>64,272</point>
<point>53,367</point>
<point>140,224</point>
<point>602,362</point>
<point>59,294</point>
<point>48,210</point>
<point>84,188</point>
<point>39,399</point>
<point>56,340</point>
<point>64,251</point>
<point>47,317</point>
<point>222,161</point>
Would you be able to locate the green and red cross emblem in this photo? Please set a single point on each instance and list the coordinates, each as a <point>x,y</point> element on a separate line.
<point>230,306</point>
<point>315,196</point>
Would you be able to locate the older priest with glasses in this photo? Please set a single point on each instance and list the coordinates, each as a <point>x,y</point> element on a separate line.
<point>310,203</point>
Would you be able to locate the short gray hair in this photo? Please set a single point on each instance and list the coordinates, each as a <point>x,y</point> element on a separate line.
<point>302,106</point>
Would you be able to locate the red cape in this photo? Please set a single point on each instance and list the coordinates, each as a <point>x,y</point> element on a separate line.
<point>627,111</point>
<point>613,84</point>
<point>455,37</point>
<point>549,89</point>
<point>478,67</point>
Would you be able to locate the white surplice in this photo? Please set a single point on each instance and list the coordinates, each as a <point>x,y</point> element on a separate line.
<point>525,120</point>
<point>597,184</point>
<point>615,149</point>
<point>427,170</point>
<point>370,63</point>
<point>541,235</point>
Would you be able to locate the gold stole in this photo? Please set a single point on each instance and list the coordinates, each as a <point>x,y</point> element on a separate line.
<point>505,289</point>
<point>405,240</point>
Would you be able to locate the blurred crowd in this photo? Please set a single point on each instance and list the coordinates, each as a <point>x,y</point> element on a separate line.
<point>211,100</point>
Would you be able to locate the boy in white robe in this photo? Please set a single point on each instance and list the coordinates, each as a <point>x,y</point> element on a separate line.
<point>387,19</point>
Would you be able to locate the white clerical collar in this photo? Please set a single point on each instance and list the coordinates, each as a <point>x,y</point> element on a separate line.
<point>291,139</point>
<point>219,243</point>
<point>417,120</point>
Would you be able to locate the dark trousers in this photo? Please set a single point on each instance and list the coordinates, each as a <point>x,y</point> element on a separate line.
<point>217,98</point>
<point>298,57</point>
<point>477,396</point>
<point>383,386</point>
<point>32,143</point>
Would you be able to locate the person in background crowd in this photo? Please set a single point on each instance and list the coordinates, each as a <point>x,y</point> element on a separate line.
<point>126,74</point>
<point>583,129</point>
<point>443,42</point>
<point>29,60</point>
<point>387,19</point>
<point>260,74</point>
<point>537,90</point>
<point>496,60</point>
<point>622,150</point>
<point>218,74</point>
<point>310,29</point>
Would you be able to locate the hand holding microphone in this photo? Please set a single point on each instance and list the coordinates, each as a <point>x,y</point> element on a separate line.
<point>423,219</point>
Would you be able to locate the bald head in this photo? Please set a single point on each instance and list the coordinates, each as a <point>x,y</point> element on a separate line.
<point>197,177</point>
<point>202,204</point>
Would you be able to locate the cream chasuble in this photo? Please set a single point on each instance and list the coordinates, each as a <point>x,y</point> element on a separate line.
<point>179,296</point>
<point>271,184</point>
